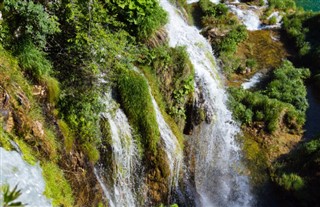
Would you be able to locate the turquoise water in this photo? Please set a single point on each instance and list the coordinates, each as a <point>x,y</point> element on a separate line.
<point>311,5</point>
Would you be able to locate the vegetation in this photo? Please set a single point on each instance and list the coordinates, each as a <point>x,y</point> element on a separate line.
<point>287,85</point>
<point>134,93</point>
<point>57,187</point>
<point>296,173</point>
<point>9,197</point>
<point>282,4</point>
<point>282,102</point>
<point>224,31</point>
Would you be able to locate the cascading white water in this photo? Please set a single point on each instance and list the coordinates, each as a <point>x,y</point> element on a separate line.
<point>125,159</point>
<point>15,171</point>
<point>170,145</point>
<point>253,81</point>
<point>217,175</point>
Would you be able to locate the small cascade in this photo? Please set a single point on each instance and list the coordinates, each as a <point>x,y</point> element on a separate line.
<point>218,176</point>
<point>120,188</point>
<point>253,81</point>
<point>171,146</point>
<point>249,17</point>
<point>169,143</point>
<point>15,171</point>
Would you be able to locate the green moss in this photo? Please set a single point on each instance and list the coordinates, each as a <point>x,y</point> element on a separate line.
<point>90,149</point>
<point>137,104</point>
<point>27,152</point>
<point>57,187</point>
<point>256,159</point>
<point>153,83</point>
<point>53,89</point>
<point>4,140</point>
<point>67,135</point>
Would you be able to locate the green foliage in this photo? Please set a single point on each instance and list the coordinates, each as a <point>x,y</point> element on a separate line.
<point>139,17</point>
<point>249,107</point>
<point>282,4</point>
<point>302,28</point>
<point>273,20</point>
<point>287,86</point>
<point>251,63</point>
<point>291,182</point>
<point>134,93</point>
<point>175,75</point>
<point>4,138</point>
<point>57,186</point>
<point>27,20</point>
<point>67,135</point>
<point>9,196</point>
<point>33,60</point>
<point>211,9</point>
<point>27,152</point>
<point>53,89</point>
<point>232,39</point>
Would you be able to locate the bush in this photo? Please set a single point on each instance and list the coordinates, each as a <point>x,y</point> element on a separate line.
<point>282,4</point>
<point>28,21</point>
<point>140,18</point>
<point>249,107</point>
<point>210,9</point>
<point>273,20</point>
<point>287,86</point>
<point>291,182</point>
<point>33,60</point>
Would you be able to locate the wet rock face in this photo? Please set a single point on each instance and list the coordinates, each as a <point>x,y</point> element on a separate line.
<point>157,174</point>
<point>197,112</point>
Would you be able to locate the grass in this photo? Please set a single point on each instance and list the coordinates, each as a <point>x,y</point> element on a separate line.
<point>67,135</point>
<point>57,187</point>
<point>27,152</point>
<point>53,89</point>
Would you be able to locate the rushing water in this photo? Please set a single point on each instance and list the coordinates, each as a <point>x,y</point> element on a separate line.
<point>15,171</point>
<point>120,190</point>
<point>169,143</point>
<point>218,176</point>
<point>171,146</point>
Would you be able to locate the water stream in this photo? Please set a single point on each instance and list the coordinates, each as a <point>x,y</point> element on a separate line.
<point>15,171</point>
<point>218,176</point>
<point>120,188</point>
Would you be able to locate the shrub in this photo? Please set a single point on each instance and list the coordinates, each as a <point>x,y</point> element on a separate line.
<point>282,4</point>
<point>273,20</point>
<point>33,60</point>
<point>211,9</point>
<point>140,18</point>
<point>287,86</point>
<point>291,182</point>
<point>28,21</point>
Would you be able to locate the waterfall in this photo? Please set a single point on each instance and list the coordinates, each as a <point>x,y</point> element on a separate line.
<point>15,171</point>
<point>120,190</point>
<point>170,145</point>
<point>218,176</point>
